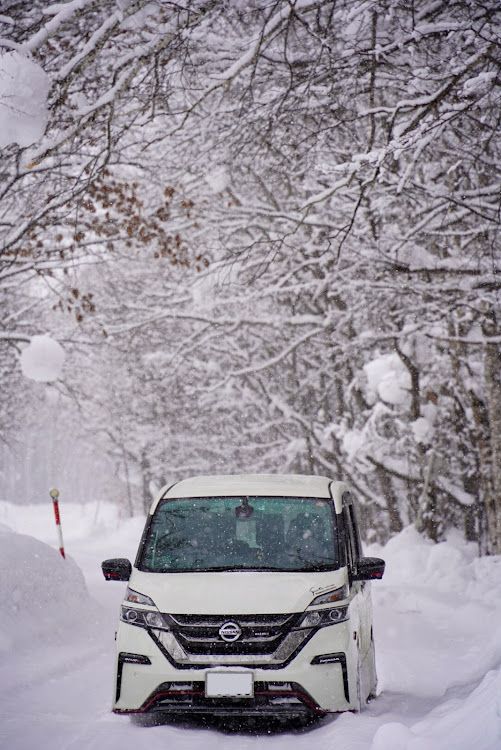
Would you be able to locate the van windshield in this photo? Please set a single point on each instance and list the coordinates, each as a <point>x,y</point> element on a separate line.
<point>241,533</point>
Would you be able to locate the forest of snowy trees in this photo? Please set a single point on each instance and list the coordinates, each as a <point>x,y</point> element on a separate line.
<point>267,235</point>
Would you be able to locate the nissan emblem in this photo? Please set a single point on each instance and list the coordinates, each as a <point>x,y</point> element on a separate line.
<point>230,631</point>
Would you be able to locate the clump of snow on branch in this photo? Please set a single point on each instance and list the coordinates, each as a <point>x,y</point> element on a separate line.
<point>43,359</point>
<point>388,378</point>
<point>218,179</point>
<point>24,87</point>
<point>423,428</point>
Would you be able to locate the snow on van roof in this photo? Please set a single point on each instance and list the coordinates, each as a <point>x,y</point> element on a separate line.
<point>287,485</point>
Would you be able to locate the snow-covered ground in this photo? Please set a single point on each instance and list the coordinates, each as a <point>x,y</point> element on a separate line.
<point>437,629</point>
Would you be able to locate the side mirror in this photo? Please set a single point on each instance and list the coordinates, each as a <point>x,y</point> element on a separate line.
<point>369,568</point>
<point>117,569</point>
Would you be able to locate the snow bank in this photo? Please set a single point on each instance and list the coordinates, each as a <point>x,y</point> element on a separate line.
<point>457,724</point>
<point>42,594</point>
<point>438,615</point>
<point>437,632</point>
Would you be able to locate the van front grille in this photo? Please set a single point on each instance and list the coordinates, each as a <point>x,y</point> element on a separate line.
<point>231,635</point>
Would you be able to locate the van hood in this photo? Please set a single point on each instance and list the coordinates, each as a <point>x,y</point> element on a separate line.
<point>234,592</point>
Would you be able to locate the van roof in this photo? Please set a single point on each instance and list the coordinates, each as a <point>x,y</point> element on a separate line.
<point>287,485</point>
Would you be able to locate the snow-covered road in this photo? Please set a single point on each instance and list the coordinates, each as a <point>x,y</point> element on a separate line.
<point>438,640</point>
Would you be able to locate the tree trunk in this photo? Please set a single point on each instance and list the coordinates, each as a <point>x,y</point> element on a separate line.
<point>395,524</point>
<point>146,480</point>
<point>492,374</point>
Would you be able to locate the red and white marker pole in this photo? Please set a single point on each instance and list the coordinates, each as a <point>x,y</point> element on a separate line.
<point>55,499</point>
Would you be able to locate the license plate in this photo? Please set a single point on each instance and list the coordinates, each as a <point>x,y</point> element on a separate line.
<point>229,685</point>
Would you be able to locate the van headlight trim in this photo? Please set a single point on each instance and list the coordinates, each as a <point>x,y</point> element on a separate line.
<point>320,618</point>
<point>143,618</point>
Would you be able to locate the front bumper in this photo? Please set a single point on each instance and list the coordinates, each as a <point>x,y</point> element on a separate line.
<point>281,700</point>
<point>320,678</point>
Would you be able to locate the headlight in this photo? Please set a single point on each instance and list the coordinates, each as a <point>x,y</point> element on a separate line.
<point>137,598</point>
<point>334,595</point>
<point>311,620</point>
<point>142,618</point>
<point>319,618</point>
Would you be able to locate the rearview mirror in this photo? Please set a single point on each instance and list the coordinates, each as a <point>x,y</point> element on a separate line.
<point>117,569</point>
<point>244,512</point>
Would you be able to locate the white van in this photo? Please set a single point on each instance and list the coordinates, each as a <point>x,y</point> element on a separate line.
<point>249,596</point>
